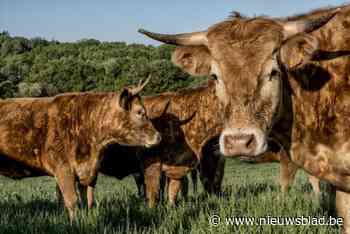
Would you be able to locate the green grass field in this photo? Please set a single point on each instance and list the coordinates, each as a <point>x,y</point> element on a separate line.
<point>30,206</point>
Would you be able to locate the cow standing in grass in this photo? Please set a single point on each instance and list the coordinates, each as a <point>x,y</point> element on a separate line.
<point>65,136</point>
<point>273,85</point>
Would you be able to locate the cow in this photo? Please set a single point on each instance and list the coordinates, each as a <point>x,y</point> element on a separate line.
<point>278,80</point>
<point>65,136</point>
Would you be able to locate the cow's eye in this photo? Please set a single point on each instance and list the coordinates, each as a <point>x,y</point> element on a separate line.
<point>273,74</point>
<point>140,113</point>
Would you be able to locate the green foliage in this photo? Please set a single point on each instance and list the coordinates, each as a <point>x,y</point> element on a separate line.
<point>37,67</point>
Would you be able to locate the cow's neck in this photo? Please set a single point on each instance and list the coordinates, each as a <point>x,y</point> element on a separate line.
<point>93,123</point>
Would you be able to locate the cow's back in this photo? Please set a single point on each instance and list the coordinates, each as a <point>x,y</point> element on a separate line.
<point>23,129</point>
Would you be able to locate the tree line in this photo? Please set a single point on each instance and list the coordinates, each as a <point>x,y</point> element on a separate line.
<point>37,67</point>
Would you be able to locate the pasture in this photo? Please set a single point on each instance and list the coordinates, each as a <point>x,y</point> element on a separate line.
<point>30,206</point>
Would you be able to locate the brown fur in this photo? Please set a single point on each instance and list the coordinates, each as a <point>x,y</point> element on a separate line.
<point>65,136</point>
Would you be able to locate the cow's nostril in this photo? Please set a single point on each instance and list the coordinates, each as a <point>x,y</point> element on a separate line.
<point>246,142</point>
<point>251,141</point>
<point>159,138</point>
<point>242,143</point>
<point>229,140</point>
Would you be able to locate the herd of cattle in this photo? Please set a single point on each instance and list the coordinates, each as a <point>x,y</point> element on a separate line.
<point>280,91</point>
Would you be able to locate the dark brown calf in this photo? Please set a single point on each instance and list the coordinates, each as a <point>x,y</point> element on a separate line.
<point>181,149</point>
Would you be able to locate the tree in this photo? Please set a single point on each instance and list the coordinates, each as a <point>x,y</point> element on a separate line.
<point>38,67</point>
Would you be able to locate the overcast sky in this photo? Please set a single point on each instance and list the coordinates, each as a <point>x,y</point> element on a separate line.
<point>118,20</point>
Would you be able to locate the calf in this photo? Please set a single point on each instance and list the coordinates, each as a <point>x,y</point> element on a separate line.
<point>65,136</point>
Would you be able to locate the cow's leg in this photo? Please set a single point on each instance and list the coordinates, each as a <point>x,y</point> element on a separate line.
<point>82,194</point>
<point>206,174</point>
<point>162,186</point>
<point>139,180</point>
<point>219,175</point>
<point>184,187</point>
<point>59,195</point>
<point>315,183</point>
<point>66,182</point>
<point>152,179</point>
<point>86,195</point>
<point>90,193</point>
<point>343,209</point>
<point>287,172</point>
<point>194,178</point>
<point>212,167</point>
<point>90,196</point>
<point>173,189</point>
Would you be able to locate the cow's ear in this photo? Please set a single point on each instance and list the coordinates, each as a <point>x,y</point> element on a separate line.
<point>299,50</point>
<point>195,60</point>
<point>125,99</point>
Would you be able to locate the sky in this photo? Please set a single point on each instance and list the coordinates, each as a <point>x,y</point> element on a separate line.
<point>118,20</point>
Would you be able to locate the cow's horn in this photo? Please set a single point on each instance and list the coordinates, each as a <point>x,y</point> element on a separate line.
<point>185,121</point>
<point>195,38</point>
<point>292,28</point>
<point>140,86</point>
<point>166,108</point>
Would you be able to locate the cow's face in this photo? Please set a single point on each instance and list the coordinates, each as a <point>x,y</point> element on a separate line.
<point>248,57</point>
<point>248,83</point>
<point>136,127</point>
<point>171,127</point>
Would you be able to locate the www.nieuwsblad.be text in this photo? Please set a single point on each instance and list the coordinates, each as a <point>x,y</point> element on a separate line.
<point>216,220</point>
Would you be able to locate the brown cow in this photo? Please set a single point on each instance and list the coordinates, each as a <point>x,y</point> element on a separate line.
<point>65,136</point>
<point>272,85</point>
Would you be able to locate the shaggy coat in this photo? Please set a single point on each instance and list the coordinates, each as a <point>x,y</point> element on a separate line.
<point>65,136</point>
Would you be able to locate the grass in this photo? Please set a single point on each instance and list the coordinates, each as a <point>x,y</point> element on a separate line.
<point>30,206</point>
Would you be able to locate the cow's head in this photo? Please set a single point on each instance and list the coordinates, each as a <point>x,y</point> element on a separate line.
<point>170,125</point>
<point>136,127</point>
<point>248,56</point>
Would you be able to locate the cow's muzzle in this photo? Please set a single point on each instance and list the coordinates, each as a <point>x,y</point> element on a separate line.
<point>155,141</point>
<point>248,142</point>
